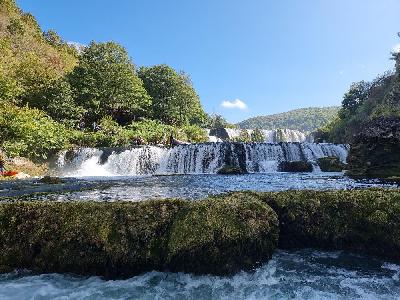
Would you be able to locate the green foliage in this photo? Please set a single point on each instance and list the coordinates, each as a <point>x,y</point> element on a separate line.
<point>174,100</point>
<point>151,131</point>
<point>257,136</point>
<point>217,121</point>
<point>362,103</point>
<point>243,137</point>
<point>195,134</point>
<point>304,119</point>
<point>57,99</point>
<point>100,84</point>
<point>30,133</point>
<point>105,83</point>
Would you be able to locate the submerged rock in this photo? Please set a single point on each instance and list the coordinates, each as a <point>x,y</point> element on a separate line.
<point>295,166</point>
<point>330,164</point>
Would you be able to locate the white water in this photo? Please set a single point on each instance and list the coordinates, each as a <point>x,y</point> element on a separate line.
<point>205,158</point>
<point>305,274</point>
<point>272,136</point>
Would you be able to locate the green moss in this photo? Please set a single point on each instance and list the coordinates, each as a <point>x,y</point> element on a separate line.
<point>110,239</point>
<point>219,235</point>
<point>122,239</point>
<point>362,221</point>
<point>222,235</point>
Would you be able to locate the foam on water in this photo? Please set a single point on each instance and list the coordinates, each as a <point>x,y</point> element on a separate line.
<point>304,274</point>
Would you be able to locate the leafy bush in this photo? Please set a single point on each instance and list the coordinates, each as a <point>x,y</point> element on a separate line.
<point>30,133</point>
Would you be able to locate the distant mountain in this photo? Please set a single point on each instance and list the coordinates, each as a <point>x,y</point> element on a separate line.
<point>303,119</point>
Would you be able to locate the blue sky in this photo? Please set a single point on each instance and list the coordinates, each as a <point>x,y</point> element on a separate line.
<point>257,57</point>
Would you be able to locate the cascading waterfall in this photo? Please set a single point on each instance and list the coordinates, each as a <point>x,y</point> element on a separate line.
<point>205,158</point>
<point>271,136</point>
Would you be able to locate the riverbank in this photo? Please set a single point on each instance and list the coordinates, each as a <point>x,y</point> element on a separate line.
<point>219,235</point>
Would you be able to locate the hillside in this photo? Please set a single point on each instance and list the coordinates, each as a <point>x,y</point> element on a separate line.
<point>303,119</point>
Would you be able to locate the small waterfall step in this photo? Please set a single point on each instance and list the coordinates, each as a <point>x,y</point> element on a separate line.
<point>203,158</point>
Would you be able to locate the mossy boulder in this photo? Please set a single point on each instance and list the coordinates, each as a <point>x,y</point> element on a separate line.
<point>117,239</point>
<point>121,239</point>
<point>51,180</point>
<point>230,170</point>
<point>295,166</point>
<point>361,221</point>
<point>330,164</point>
<point>223,235</point>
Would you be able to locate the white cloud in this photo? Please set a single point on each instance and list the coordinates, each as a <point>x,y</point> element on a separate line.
<point>78,46</point>
<point>237,103</point>
<point>396,48</point>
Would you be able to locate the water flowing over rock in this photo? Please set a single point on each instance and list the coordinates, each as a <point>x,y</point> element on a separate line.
<point>271,136</point>
<point>205,158</point>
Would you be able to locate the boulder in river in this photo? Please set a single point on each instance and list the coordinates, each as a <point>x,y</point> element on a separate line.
<point>330,164</point>
<point>121,239</point>
<point>295,166</point>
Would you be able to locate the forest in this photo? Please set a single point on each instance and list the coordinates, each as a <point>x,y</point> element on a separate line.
<point>54,95</point>
<point>303,119</point>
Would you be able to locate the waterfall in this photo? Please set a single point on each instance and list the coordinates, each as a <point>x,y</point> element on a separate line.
<point>271,136</point>
<point>204,158</point>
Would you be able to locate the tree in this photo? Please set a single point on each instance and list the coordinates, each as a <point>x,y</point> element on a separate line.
<point>105,83</point>
<point>58,101</point>
<point>257,136</point>
<point>174,100</point>
<point>354,98</point>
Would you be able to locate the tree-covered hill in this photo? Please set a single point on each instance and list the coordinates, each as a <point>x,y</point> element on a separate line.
<point>54,97</point>
<point>303,119</point>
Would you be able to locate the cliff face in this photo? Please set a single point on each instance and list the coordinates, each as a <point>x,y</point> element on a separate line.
<point>375,151</point>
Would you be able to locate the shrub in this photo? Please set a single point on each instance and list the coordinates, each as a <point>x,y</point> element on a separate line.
<point>30,133</point>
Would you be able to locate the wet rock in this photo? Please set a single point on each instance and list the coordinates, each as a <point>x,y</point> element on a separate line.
<point>295,166</point>
<point>230,170</point>
<point>330,164</point>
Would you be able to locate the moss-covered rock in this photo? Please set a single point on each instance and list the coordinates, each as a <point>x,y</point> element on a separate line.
<point>218,236</point>
<point>230,170</point>
<point>295,166</point>
<point>51,180</point>
<point>91,238</point>
<point>223,235</point>
<point>362,221</point>
<point>330,164</point>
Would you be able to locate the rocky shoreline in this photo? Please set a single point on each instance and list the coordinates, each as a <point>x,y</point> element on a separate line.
<point>375,151</point>
<point>220,235</point>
